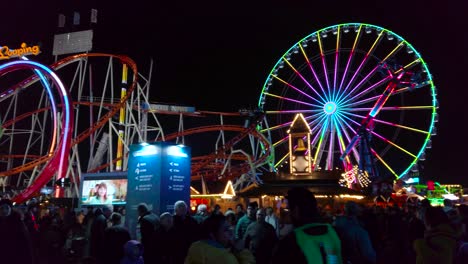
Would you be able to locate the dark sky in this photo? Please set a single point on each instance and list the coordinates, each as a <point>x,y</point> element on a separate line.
<point>222,52</point>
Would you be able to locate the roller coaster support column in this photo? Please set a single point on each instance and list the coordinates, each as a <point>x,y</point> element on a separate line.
<point>123,94</point>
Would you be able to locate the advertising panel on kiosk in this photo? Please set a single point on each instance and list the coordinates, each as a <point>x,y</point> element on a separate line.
<point>103,188</point>
<point>158,175</point>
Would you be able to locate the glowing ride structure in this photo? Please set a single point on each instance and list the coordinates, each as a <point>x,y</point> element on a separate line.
<point>110,101</point>
<point>366,94</point>
<point>56,160</point>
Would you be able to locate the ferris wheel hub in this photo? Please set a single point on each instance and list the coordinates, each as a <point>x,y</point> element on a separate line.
<point>329,108</point>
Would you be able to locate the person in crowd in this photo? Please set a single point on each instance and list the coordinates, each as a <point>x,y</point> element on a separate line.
<point>217,209</point>
<point>272,219</point>
<point>31,220</point>
<point>231,219</point>
<point>260,238</point>
<point>355,240</point>
<point>186,230</point>
<point>51,241</point>
<point>448,205</point>
<point>440,239</point>
<point>217,245</point>
<point>163,241</point>
<point>246,220</point>
<point>98,227</point>
<point>148,222</point>
<point>311,241</point>
<point>133,253</point>
<point>202,213</point>
<point>15,241</point>
<point>285,223</point>
<point>115,238</point>
<point>101,196</point>
<point>239,211</point>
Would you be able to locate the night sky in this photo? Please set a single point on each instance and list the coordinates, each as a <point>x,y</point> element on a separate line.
<point>217,56</point>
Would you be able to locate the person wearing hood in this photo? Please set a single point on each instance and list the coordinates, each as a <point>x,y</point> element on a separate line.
<point>440,238</point>
<point>133,253</point>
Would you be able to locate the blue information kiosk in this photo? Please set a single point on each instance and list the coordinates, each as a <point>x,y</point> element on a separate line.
<point>158,175</point>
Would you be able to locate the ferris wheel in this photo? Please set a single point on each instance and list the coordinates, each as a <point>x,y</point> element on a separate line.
<point>366,94</point>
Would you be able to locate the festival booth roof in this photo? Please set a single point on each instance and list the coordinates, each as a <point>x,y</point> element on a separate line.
<point>280,188</point>
<point>321,183</point>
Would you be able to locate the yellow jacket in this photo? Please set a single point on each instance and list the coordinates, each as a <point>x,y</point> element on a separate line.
<point>209,252</point>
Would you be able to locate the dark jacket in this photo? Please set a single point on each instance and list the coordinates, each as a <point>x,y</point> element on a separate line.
<point>133,253</point>
<point>115,238</point>
<point>437,246</point>
<point>15,242</point>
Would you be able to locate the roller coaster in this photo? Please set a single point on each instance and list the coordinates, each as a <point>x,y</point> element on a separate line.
<point>112,111</point>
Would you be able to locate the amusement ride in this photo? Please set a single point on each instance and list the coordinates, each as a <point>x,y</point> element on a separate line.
<point>366,93</point>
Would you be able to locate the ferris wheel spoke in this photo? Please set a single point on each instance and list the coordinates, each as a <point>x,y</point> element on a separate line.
<point>291,100</point>
<point>317,79</point>
<point>321,144</point>
<point>393,144</point>
<point>341,143</point>
<point>351,101</point>
<point>384,163</point>
<point>282,159</point>
<point>350,59</point>
<point>363,62</point>
<point>342,78</point>
<point>303,79</point>
<point>324,64</point>
<point>297,111</point>
<point>345,125</point>
<point>376,120</point>
<point>299,90</point>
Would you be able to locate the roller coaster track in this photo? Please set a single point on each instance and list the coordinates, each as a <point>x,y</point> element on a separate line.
<point>209,167</point>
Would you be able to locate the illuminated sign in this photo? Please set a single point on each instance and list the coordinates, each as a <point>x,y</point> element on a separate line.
<point>8,53</point>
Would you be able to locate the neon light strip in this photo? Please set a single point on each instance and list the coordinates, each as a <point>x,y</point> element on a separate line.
<point>330,146</point>
<point>291,100</point>
<point>341,120</point>
<point>276,127</point>
<point>316,128</point>
<point>282,159</point>
<point>299,90</point>
<point>411,64</point>
<point>337,53</point>
<point>53,104</point>
<point>322,134</point>
<point>351,55</point>
<point>392,124</point>
<point>64,146</point>
<point>302,77</point>
<point>359,85</point>
<point>312,69</point>
<point>341,143</point>
<point>281,141</point>
<point>298,111</point>
<point>393,144</point>
<point>345,100</point>
<point>324,63</point>
<point>398,47</point>
<point>369,52</point>
<point>392,108</point>
<point>384,163</point>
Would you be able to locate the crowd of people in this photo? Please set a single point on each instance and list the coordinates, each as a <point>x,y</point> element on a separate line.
<point>304,232</point>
